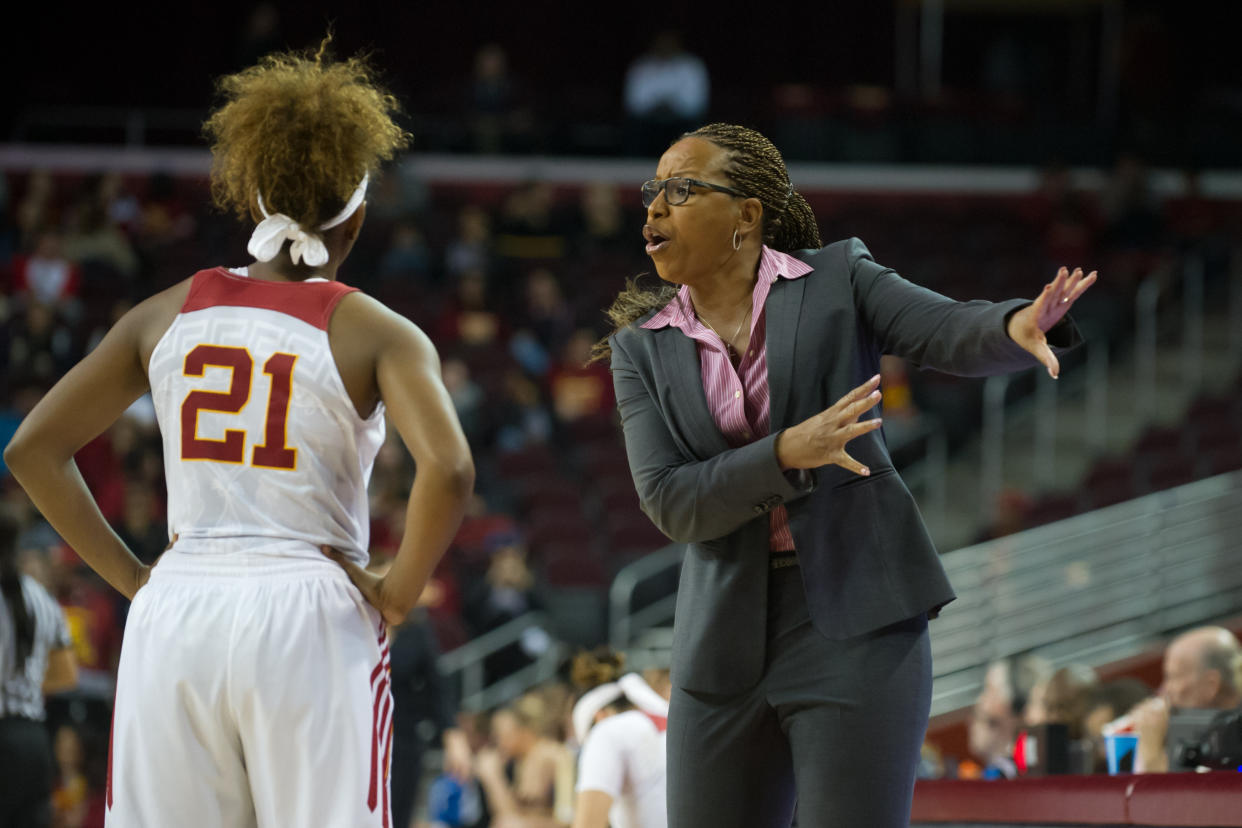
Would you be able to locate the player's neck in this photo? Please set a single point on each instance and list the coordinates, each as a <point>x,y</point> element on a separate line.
<point>282,269</point>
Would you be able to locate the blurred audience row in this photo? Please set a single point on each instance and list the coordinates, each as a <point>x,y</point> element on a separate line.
<point>1202,671</point>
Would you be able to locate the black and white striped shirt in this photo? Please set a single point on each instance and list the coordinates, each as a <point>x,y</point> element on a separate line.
<point>21,690</point>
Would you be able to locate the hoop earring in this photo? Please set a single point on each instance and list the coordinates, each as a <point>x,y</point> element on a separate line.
<point>737,243</point>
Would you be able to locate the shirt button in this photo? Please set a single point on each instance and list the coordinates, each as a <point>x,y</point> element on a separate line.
<point>737,394</point>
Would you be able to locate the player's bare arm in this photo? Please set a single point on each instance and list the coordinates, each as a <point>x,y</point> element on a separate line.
<point>382,354</point>
<point>75,411</point>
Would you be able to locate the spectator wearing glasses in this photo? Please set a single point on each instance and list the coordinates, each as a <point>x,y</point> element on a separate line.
<point>800,665</point>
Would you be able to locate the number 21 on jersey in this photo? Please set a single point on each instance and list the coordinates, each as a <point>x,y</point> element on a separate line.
<point>272,453</point>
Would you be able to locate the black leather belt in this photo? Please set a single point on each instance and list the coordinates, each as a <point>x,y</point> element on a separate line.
<point>781,560</point>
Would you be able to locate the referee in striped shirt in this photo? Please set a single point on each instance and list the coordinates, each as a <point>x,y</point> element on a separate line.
<point>35,658</point>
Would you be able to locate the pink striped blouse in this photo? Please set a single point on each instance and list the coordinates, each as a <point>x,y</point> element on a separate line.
<point>739,398</point>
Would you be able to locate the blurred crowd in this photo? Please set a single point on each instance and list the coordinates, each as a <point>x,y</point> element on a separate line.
<point>510,282</point>
<point>1071,712</point>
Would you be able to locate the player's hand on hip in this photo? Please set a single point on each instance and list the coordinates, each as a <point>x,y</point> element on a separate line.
<point>370,584</point>
<point>820,441</point>
<point>1028,326</point>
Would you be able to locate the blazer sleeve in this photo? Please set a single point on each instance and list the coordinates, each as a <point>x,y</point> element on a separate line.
<point>933,331</point>
<point>694,501</point>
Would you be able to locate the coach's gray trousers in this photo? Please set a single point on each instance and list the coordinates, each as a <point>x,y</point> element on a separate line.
<point>836,726</point>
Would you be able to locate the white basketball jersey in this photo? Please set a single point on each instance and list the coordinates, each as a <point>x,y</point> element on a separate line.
<point>262,445</point>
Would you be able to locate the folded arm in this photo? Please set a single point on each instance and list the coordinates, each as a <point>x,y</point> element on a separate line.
<point>695,500</point>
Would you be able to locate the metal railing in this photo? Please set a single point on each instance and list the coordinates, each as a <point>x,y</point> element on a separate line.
<point>465,664</point>
<point>1094,378</point>
<point>1094,588</point>
<point>625,623</point>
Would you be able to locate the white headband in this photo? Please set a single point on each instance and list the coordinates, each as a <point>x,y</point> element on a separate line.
<point>632,686</point>
<point>276,228</point>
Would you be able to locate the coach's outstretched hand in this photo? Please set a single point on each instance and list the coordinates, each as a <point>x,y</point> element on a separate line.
<point>371,585</point>
<point>1028,326</point>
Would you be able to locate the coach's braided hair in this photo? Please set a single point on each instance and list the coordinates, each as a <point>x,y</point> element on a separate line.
<point>301,129</point>
<point>753,165</point>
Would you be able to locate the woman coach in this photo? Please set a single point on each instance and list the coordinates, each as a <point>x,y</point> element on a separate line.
<point>801,665</point>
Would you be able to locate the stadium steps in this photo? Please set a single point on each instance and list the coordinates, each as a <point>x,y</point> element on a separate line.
<point>966,517</point>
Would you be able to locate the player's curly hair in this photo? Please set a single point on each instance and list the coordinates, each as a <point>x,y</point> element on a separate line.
<point>591,668</point>
<point>302,129</point>
<point>753,165</point>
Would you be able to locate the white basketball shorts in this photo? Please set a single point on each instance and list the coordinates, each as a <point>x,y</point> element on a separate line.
<point>253,690</point>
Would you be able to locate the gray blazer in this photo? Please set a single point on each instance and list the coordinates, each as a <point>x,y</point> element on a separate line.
<point>866,558</point>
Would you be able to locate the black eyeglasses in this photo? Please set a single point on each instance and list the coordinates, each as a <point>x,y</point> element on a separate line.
<point>677,190</point>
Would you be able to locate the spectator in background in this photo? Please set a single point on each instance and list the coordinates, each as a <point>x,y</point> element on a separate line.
<point>1064,216</point>
<point>523,419</point>
<point>397,193</point>
<point>500,120</point>
<point>530,228</point>
<point>506,592</point>
<point>46,276</point>
<point>471,248</point>
<point>469,318</point>
<point>35,211</point>
<point>548,315</point>
<point>467,399</point>
<point>666,93</point>
<point>902,419</point>
<point>36,657</point>
<point>69,798</point>
<point>261,35</point>
<point>407,258</point>
<point>1202,671</point>
<point>1112,699</point>
<point>142,526</point>
<point>42,345</point>
<point>579,390</point>
<point>603,222</point>
<point>94,625</point>
<point>1065,699</point>
<point>1134,226</point>
<point>8,230</point>
<point>93,237</point>
<point>997,714</point>
<point>526,777</point>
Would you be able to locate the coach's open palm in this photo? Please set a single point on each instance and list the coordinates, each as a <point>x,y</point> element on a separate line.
<point>1028,326</point>
<point>370,584</point>
<point>820,440</point>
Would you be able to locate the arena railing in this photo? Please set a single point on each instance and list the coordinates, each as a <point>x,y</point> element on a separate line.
<point>464,667</point>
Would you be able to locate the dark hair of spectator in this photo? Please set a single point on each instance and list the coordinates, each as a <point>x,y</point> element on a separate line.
<point>302,130</point>
<point>753,165</point>
<point>11,588</point>
<point>1122,694</point>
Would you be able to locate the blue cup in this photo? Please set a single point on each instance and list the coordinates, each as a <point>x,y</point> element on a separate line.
<point>1120,748</point>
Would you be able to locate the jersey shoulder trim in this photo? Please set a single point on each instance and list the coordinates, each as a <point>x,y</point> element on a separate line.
<point>311,302</point>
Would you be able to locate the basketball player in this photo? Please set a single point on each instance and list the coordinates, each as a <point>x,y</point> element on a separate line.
<point>252,686</point>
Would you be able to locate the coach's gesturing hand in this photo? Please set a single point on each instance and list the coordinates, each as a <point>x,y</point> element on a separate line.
<point>372,585</point>
<point>1028,326</point>
<point>820,441</point>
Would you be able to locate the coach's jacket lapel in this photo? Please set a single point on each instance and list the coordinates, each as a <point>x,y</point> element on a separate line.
<point>783,308</point>
<point>682,355</point>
